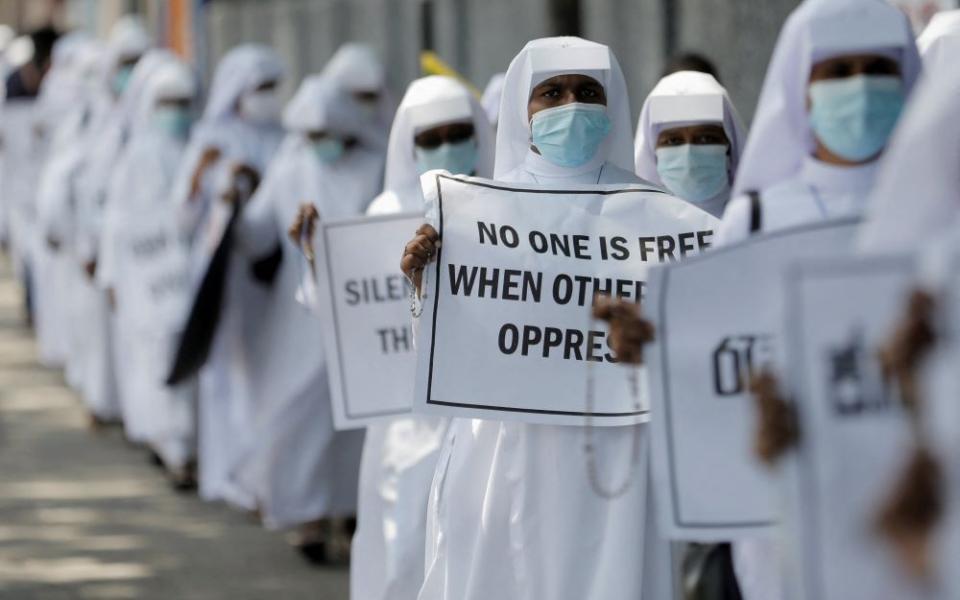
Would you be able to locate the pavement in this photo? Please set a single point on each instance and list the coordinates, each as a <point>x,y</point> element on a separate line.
<point>83,515</point>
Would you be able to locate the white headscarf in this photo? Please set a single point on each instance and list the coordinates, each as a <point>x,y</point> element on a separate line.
<point>548,57</point>
<point>241,70</point>
<point>430,102</point>
<point>780,136</point>
<point>491,97</point>
<point>356,67</point>
<point>128,38</point>
<point>321,105</point>
<point>917,194</point>
<point>939,44</point>
<point>171,78</point>
<point>679,99</point>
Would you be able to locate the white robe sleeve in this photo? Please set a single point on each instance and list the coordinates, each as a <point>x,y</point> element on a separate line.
<point>735,224</point>
<point>258,232</point>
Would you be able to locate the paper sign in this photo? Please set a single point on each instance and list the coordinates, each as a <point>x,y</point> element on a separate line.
<point>855,433</point>
<point>717,319</point>
<point>364,304</point>
<point>506,331</point>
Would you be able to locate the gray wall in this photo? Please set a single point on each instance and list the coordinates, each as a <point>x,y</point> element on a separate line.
<point>479,37</point>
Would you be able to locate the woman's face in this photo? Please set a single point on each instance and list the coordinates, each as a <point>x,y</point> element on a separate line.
<point>450,133</point>
<point>703,134</point>
<point>854,64</point>
<point>565,89</point>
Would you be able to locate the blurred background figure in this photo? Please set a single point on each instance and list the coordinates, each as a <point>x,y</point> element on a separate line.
<point>302,473</point>
<point>23,151</point>
<point>691,61</point>
<point>229,150</point>
<point>142,264</point>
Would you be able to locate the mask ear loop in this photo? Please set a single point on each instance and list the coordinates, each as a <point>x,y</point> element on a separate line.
<point>590,448</point>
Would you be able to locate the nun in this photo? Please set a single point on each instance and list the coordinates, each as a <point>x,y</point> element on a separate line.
<point>512,511</point>
<point>301,472</point>
<point>439,125</point>
<point>356,68</point>
<point>57,127</point>
<point>921,165</point>
<point>840,75</point>
<point>232,144</point>
<point>56,269</point>
<point>689,139</point>
<point>838,80</point>
<point>109,123</point>
<point>143,267</point>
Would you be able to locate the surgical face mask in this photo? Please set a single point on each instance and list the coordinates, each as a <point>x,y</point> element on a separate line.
<point>174,121</point>
<point>854,116</point>
<point>328,150</point>
<point>694,172</point>
<point>261,106</point>
<point>459,158</point>
<point>121,79</point>
<point>569,135</point>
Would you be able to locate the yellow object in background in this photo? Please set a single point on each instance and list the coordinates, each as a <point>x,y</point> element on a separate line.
<point>432,64</point>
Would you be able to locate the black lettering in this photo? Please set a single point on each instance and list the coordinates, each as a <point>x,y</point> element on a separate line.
<point>644,241</point>
<point>581,247</point>
<point>394,339</point>
<point>510,283</point>
<point>459,279</point>
<point>572,345</point>
<point>562,289</point>
<point>684,246</point>
<point>552,338</point>
<point>489,281</point>
<point>665,246</point>
<point>508,338</point>
<point>619,246</point>
<point>531,337</point>
<point>509,237</point>
<point>538,242</point>
<point>532,285</point>
<point>703,240</point>
<point>353,296</point>
<point>487,231</point>
<point>559,245</point>
<point>594,345</point>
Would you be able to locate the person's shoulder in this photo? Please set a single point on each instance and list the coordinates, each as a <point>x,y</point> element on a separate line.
<point>782,191</point>
<point>614,174</point>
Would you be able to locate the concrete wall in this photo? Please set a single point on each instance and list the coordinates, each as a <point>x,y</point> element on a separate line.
<point>479,37</point>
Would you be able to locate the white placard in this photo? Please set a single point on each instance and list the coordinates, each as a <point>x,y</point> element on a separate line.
<point>855,432</point>
<point>717,319</point>
<point>153,276</point>
<point>365,308</point>
<point>506,331</point>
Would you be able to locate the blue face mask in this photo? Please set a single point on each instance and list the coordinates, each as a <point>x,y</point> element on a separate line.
<point>569,135</point>
<point>459,158</point>
<point>694,172</point>
<point>854,116</point>
<point>121,79</point>
<point>328,150</point>
<point>174,121</point>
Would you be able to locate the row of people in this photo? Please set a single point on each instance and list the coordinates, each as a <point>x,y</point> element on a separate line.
<point>152,229</point>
